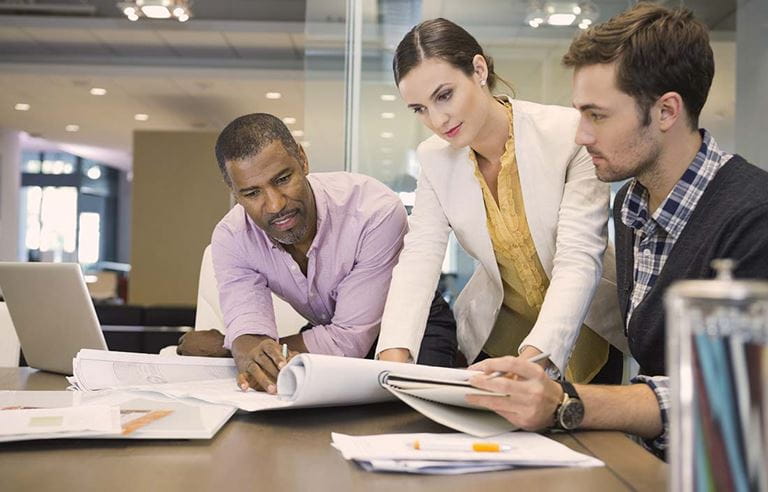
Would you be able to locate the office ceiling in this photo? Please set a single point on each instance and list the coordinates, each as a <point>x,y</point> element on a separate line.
<point>200,74</point>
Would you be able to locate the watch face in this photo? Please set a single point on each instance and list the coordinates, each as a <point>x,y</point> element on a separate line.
<point>572,414</point>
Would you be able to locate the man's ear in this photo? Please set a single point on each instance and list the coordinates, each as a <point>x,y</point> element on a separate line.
<point>671,109</point>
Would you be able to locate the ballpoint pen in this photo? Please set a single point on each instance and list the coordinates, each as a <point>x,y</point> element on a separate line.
<point>535,358</point>
<point>479,447</point>
<point>285,351</point>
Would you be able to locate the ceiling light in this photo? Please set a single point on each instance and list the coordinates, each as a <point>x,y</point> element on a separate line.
<point>387,134</point>
<point>297,133</point>
<point>388,116</point>
<point>141,117</point>
<point>561,13</point>
<point>289,120</point>
<point>304,143</point>
<point>156,9</point>
<point>93,172</point>
<point>98,91</point>
<point>388,97</point>
<point>22,107</point>
<point>72,128</point>
<point>273,95</point>
<point>561,19</point>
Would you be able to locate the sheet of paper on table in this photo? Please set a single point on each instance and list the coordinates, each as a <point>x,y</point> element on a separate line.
<point>21,423</point>
<point>139,415</point>
<point>396,452</point>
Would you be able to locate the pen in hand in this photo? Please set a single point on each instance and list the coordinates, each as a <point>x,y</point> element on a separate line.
<point>535,358</point>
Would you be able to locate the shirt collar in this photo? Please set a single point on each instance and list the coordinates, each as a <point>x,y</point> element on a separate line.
<point>673,213</point>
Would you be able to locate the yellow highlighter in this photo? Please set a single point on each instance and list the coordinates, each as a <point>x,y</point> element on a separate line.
<point>478,447</point>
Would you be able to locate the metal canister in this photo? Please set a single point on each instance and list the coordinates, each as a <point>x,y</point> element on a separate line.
<point>717,360</point>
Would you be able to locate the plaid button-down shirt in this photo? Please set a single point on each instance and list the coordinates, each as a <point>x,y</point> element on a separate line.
<point>657,232</point>
<point>655,236</point>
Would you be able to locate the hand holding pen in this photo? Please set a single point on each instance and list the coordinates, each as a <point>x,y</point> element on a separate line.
<point>530,396</point>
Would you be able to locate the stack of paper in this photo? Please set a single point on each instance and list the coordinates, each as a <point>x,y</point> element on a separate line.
<point>20,423</point>
<point>107,414</point>
<point>452,454</point>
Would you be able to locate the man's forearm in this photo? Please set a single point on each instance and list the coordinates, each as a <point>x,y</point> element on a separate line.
<point>630,408</point>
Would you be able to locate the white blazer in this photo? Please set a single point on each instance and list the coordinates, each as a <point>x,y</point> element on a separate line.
<point>567,212</point>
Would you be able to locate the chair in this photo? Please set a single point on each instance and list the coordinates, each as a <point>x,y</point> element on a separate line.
<point>209,317</point>
<point>10,349</point>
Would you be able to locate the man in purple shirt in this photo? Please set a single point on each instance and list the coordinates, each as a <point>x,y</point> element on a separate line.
<point>326,243</point>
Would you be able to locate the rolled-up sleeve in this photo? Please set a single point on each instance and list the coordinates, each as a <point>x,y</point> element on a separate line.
<point>360,296</point>
<point>244,295</point>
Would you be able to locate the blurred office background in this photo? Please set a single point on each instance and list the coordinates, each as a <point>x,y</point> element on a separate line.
<point>107,123</point>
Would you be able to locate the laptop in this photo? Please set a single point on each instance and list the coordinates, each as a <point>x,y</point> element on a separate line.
<point>52,312</point>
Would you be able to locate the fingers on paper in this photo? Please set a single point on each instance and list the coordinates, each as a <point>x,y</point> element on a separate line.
<point>508,364</point>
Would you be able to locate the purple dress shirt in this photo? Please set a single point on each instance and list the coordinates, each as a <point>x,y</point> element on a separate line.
<point>360,229</point>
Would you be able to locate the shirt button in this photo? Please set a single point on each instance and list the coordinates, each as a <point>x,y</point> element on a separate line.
<point>293,267</point>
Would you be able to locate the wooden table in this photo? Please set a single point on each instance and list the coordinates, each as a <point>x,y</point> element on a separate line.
<point>290,450</point>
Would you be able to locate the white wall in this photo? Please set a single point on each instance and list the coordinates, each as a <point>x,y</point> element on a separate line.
<point>751,81</point>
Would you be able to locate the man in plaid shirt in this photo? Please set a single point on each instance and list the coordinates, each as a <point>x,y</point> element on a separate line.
<point>640,82</point>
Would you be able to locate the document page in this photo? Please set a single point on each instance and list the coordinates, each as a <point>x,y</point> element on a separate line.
<point>522,449</point>
<point>21,423</point>
<point>101,369</point>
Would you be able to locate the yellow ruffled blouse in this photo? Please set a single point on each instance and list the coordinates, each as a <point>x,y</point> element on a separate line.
<point>524,280</point>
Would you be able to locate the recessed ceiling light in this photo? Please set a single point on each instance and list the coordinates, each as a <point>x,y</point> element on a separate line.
<point>388,116</point>
<point>273,95</point>
<point>22,107</point>
<point>141,117</point>
<point>98,91</point>
<point>387,134</point>
<point>93,172</point>
<point>388,97</point>
<point>297,133</point>
<point>289,120</point>
<point>72,128</point>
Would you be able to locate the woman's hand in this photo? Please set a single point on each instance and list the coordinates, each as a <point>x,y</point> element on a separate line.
<point>395,355</point>
<point>530,351</point>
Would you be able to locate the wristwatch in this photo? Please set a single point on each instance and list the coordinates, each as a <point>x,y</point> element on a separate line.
<point>570,412</point>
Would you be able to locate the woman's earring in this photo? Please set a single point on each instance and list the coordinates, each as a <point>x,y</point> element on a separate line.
<point>482,82</point>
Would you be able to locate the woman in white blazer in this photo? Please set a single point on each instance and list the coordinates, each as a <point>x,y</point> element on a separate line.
<point>488,154</point>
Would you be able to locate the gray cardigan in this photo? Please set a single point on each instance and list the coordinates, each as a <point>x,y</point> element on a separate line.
<point>730,221</point>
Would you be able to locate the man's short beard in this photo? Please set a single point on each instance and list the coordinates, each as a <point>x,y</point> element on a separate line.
<point>293,236</point>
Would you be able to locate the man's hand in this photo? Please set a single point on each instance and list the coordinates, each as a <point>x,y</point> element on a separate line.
<point>395,355</point>
<point>258,358</point>
<point>206,343</point>
<point>531,397</point>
